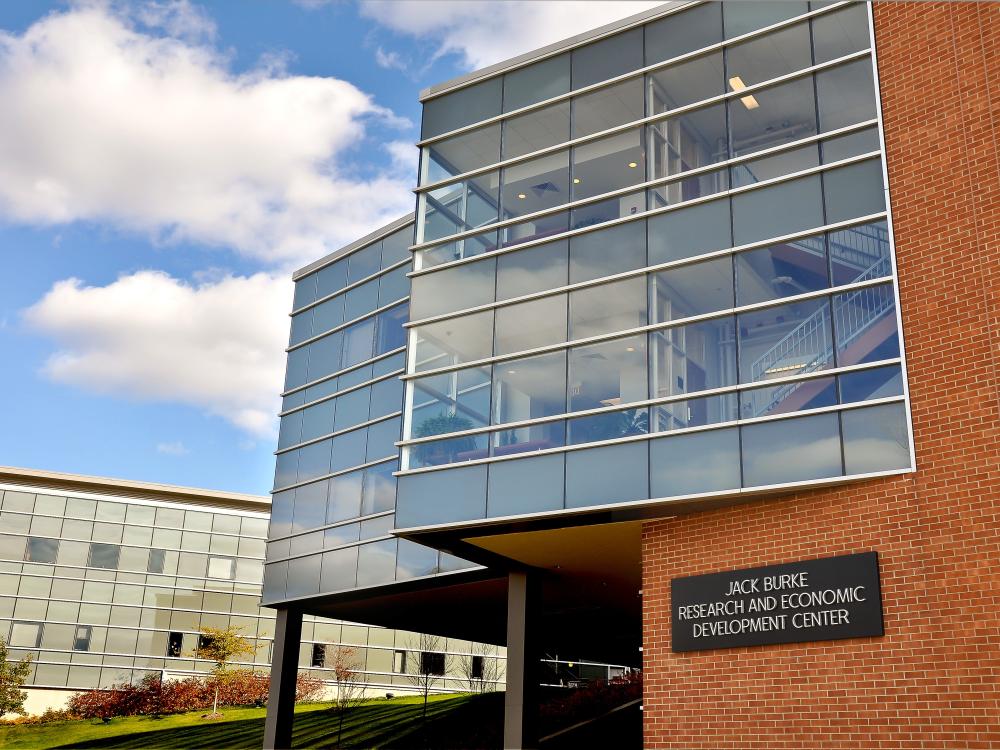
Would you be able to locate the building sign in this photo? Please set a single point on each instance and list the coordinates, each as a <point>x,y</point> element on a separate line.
<point>812,600</point>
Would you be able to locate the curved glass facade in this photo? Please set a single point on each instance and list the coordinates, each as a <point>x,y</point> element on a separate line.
<point>670,275</point>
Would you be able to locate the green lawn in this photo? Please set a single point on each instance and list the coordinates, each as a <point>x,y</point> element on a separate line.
<point>452,722</point>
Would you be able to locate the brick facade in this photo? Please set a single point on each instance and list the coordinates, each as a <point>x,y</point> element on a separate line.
<point>933,681</point>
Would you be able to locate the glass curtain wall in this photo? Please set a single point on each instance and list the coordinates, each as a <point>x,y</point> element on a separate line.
<point>745,284</point>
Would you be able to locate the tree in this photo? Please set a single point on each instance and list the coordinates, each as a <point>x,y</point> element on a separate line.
<point>429,669</point>
<point>222,647</point>
<point>12,676</point>
<point>350,691</point>
<point>481,668</point>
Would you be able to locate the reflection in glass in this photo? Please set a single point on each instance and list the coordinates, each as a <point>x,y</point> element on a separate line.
<point>467,247</point>
<point>686,83</point>
<point>390,333</point>
<point>608,374</point>
<point>846,95</point>
<point>791,450</point>
<point>361,299</point>
<point>607,107</point>
<point>865,324</point>
<point>875,439</point>
<point>771,117</point>
<point>692,289</point>
<point>680,33</point>
<point>441,496</point>
<point>345,497</point>
<point>840,33</point>
<point>339,569</point>
<point>693,357</point>
<point>377,563</point>
<point>415,560</point>
<point>358,340</point>
<point>453,341</point>
<point>536,82</point>
<point>460,153</point>
<point>771,167</point>
<point>769,56</point>
<point>854,190</point>
<point>462,107</point>
<point>776,210</point>
<point>459,207</point>
<point>608,58</point>
<point>785,340</point>
<point>607,251</point>
<point>451,402</point>
<point>609,474</point>
<point>536,130</point>
<point>853,144</point>
<point>535,229</point>
<point>607,164</point>
<point>742,18</point>
<point>332,278</point>
<point>608,426</point>
<point>698,462</point>
<point>865,385</point>
<point>607,308</point>
<point>788,398</point>
<point>529,388</point>
<point>382,437</point>
<point>859,252</point>
<point>694,412</point>
<point>529,439</point>
<point>379,488</point>
<point>533,269</point>
<point>781,270</point>
<point>449,451</point>
<point>690,231</point>
<point>529,325</point>
<point>535,185</point>
<point>528,485</point>
<point>608,209</point>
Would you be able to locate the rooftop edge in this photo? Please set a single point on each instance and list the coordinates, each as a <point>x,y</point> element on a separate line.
<point>382,231</point>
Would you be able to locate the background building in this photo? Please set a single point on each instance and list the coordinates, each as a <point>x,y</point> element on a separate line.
<point>106,581</point>
<point>661,277</point>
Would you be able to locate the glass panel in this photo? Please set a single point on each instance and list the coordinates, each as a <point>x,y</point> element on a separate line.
<point>689,231</point>
<point>389,331</point>
<point>339,569</point>
<point>529,439</point>
<point>305,291</point>
<point>281,513</point>
<point>374,527</point>
<point>325,354</point>
<point>770,167</point>
<point>314,461</point>
<point>41,550</point>
<point>345,497</point>
<point>361,299</point>
<point>348,450</point>
<point>387,397</point>
<point>441,496</point>
<point>846,95</point>
<point>777,210</point>
<point>352,409</point>
<point>771,117</point>
<point>618,306</point>
<point>393,286</point>
<point>781,270</point>
<point>382,438</point>
<point>295,368</point>
<point>463,107</point>
<point>364,262</point>
<point>791,450</point>
<point>608,107</point>
<point>379,488</point>
<point>303,577</point>
<point>852,144</point>
<point>453,341</point>
<point>538,228</point>
<point>840,33</point>
<point>865,325</point>
<point>788,398</point>
<point>864,385</point>
<point>785,340</point>
<point>534,269</point>
<point>609,209</point>
<point>535,185</point>
<point>769,56</point>
<point>460,206</point>
<point>680,33</point>
<point>859,252</point>
<point>302,328</point>
<point>528,325</point>
<point>104,556</point>
<point>414,561</point>
<point>310,507</point>
<point>694,412</point>
<point>339,535</point>
<point>686,83</point>
<point>529,388</point>
<point>317,420</point>
<point>332,278</point>
<point>536,130</point>
<point>527,485</point>
<point>607,251</point>
<point>608,164</point>
<point>692,289</point>
<point>742,18</point>
<point>854,190</point>
<point>607,58</point>
<point>377,563</point>
<point>449,451</point>
<point>608,426</point>
<point>875,439</point>
<point>698,462</point>
<point>608,374</point>
<point>220,567</point>
<point>694,357</point>
<point>536,83</point>
<point>450,402</point>
<point>476,244</point>
<point>460,153</point>
<point>610,474</point>
<point>453,289</point>
<point>395,247</point>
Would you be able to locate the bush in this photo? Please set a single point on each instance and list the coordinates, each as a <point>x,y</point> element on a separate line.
<point>237,688</point>
<point>592,700</point>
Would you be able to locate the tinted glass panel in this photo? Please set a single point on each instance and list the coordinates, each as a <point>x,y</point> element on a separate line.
<point>785,340</point>
<point>618,306</point>
<point>461,153</point>
<point>463,248</point>
<point>742,18</point>
<point>535,185</point>
<point>865,325</point>
<point>680,33</point>
<point>610,474</point>
<point>608,374</point>
<point>880,382</point>
<point>527,485</point>
<point>694,357</point>
<point>441,496</point>
<point>377,563</point>
<point>855,190</point>
<point>327,315</point>
<point>345,497</point>
<point>840,33</point>
<point>529,388</point>
<point>395,247</point>
<point>777,210</point>
<point>348,450</point>
<point>699,462</point>
<point>363,263</point>
<point>379,488</point>
<point>686,83</point>
<point>608,58</point>
<point>533,269</point>
<point>332,278</point>
<point>528,439</point>
<point>608,251</point>
<point>772,117</point>
<point>791,450</point>
<point>536,83</point>
<point>875,439</point>
<point>536,130</point>
<point>781,270</point>
<point>451,402</point>
<point>608,426</point>
<point>788,398</point>
<point>692,289</point>
<point>389,331</point>
<point>689,231</point>
<point>769,56</point>
<point>460,206</point>
<point>608,107</point>
<point>528,325</point>
<point>415,560</point>
<point>608,164</point>
<point>463,107</point>
<point>453,341</point>
<point>846,95</point>
<point>339,569</point>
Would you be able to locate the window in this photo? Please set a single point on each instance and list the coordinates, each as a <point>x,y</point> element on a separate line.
<point>536,130</point>
<point>791,450</point>
<point>463,107</point>
<point>399,662</point>
<point>608,164</point>
<point>220,567</point>
<point>40,550</point>
<point>81,638</point>
<point>607,374</point>
<point>431,662</point>
<point>156,560</point>
<point>477,668</point>
<point>318,655</point>
<point>529,325</point>
<point>534,269</point>
<point>607,107</point>
<point>104,556</point>
<point>607,58</point>
<point>453,289</point>
<point>535,185</point>
<point>529,388</point>
<point>607,251</point>
<point>528,485</point>
<point>460,153</point>
<point>25,634</point>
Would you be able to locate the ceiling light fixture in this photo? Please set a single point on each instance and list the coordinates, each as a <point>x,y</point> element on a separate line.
<point>576,180</point>
<point>522,196</point>
<point>748,101</point>
<point>632,165</point>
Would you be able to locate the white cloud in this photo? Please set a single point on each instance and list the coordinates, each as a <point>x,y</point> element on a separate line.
<point>485,33</point>
<point>176,448</point>
<point>105,119</point>
<point>216,345</point>
<point>389,60</point>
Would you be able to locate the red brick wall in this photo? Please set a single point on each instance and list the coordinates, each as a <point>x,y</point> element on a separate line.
<point>933,681</point>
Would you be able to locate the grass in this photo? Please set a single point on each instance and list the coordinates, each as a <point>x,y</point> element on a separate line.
<point>463,721</point>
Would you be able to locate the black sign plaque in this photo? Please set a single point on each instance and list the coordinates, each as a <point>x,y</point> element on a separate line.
<point>811,600</point>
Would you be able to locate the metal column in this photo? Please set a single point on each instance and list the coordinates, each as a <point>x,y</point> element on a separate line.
<point>521,700</point>
<point>284,671</point>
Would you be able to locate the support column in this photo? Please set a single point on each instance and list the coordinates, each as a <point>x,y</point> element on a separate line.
<point>521,699</point>
<point>284,671</point>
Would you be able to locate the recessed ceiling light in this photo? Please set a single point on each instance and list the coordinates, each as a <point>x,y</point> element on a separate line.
<point>512,372</point>
<point>522,196</point>
<point>576,180</point>
<point>632,165</point>
<point>748,101</point>
<point>630,348</point>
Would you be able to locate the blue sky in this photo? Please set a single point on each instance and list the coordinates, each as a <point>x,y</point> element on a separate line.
<point>166,165</point>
